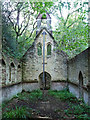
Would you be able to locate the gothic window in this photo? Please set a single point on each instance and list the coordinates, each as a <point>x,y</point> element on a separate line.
<point>9,73</point>
<point>39,49</point>
<point>12,65</point>
<point>19,66</point>
<point>49,49</point>
<point>19,73</point>
<point>80,84</point>
<point>12,69</point>
<point>3,72</point>
<point>3,62</point>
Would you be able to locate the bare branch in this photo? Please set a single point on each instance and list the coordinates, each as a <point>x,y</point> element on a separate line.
<point>71,24</point>
<point>32,30</point>
<point>71,14</point>
<point>25,26</point>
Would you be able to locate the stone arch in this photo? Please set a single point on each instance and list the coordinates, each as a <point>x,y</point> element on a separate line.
<point>80,85</point>
<point>12,72</point>
<point>3,72</point>
<point>39,49</point>
<point>49,48</point>
<point>47,83</point>
<point>46,14</point>
<point>46,19</point>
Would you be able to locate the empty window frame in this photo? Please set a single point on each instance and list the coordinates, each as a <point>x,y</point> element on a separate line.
<point>39,49</point>
<point>48,49</point>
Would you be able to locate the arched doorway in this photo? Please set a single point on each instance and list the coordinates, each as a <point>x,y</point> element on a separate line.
<point>80,85</point>
<point>47,81</point>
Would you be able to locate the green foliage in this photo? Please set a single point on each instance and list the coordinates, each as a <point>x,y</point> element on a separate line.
<point>79,111</point>
<point>8,36</point>
<point>71,32</point>
<point>63,95</point>
<point>19,30</point>
<point>18,112</point>
<point>75,108</point>
<point>39,7</point>
<point>44,16</point>
<point>22,111</point>
<point>36,94</point>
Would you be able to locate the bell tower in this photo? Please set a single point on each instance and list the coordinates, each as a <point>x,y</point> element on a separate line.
<point>43,21</point>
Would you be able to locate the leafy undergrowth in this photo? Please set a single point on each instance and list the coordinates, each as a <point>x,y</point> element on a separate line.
<point>21,110</point>
<point>18,112</point>
<point>63,95</point>
<point>62,105</point>
<point>32,96</point>
<point>77,108</point>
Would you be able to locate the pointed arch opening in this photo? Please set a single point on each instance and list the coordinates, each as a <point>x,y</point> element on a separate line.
<point>80,85</point>
<point>19,73</point>
<point>49,49</point>
<point>39,49</point>
<point>47,82</point>
<point>19,66</point>
<point>12,72</point>
<point>12,65</point>
<point>3,63</point>
<point>3,72</point>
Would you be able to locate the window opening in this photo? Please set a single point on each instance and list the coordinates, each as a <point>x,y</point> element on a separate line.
<point>19,66</point>
<point>49,49</point>
<point>3,62</point>
<point>39,49</point>
<point>80,85</point>
<point>12,65</point>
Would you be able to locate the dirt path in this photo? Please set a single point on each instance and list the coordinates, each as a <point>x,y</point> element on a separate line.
<point>49,107</point>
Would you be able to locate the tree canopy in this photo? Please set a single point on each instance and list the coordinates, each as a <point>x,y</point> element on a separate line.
<point>19,25</point>
<point>71,32</point>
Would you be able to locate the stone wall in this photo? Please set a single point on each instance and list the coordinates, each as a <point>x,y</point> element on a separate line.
<point>26,75</point>
<point>10,77</point>
<point>55,64</point>
<point>9,91</point>
<point>77,64</point>
<point>78,75</point>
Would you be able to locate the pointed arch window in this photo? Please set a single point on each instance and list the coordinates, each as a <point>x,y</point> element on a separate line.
<point>3,72</point>
<point>39,49</point>
<point>12,72</point>
<point>49,49</point>
<point>80,85</point>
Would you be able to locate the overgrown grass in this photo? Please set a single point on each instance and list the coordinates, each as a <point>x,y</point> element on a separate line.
<point>21,111</point>
<point>18,112</point>
<point>36,94</point>
<point>79,111</point>
<point>63,95</point>
<point>77,108</point>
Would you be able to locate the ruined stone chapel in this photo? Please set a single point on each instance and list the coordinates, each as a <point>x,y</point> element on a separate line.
<point>59,71</point>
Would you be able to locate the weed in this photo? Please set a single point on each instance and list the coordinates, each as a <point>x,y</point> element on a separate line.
<point>36,94</point>
<point>83,117</point>
<point>79,111</point>
<point>63,95</point>
<point>19,112</point>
